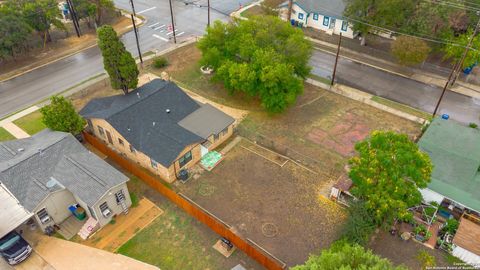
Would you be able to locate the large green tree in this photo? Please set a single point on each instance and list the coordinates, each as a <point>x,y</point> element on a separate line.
<point>118,62</point>
<point>410,51</point>
<point>14,34</point>
<point>455,52</point>
<point>345,256</point>
<point>263,57</point>
<point>41,15</point>
<point>387,173</point>
<point>60,115</point>
<point>86,10</point>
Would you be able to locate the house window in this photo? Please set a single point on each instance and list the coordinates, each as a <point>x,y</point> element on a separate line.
<point>43,216</point>
<point>185,159</point>
<point>132,149</point>
<point>216,137</point>
<point>326,20</point>
<point>300,16</point>
<point>101,131</point>
<point>224,132</point>
<point>120,141</point>
<point>105,209</point>
<point>344,25</point>
<point>153,163</point>
<point>120,196</point>
<point>315,16</point>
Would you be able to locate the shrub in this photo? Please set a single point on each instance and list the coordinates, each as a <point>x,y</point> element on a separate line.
<point>451,226</point>
<point>134,199</point>
<point>360,224</point>
<point>427,260</point>
<point>473,125</point>
<point>160,62</point>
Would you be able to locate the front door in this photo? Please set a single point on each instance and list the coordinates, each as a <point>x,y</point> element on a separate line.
<point>332,23</point>
<point>109,137</point>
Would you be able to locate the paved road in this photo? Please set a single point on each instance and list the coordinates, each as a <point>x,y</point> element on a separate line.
<point>190,20</point>
<point>415,94</point>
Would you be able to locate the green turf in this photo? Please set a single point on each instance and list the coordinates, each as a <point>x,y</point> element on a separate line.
<point>31,123</point>
<point>5,135</point>
<point>320,79</point>
<point>402,107</point>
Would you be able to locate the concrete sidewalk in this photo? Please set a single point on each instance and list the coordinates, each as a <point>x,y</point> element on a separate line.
<point>65,255</point>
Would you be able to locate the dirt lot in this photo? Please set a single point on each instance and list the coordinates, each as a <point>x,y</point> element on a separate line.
<point>401,252</point>
<point>273,201</point>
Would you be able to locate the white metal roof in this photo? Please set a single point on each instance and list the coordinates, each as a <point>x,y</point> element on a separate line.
<point>12,214</point>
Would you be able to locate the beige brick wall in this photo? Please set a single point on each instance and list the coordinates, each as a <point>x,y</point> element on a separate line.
<point>221,139</point>
<point>168,174</point>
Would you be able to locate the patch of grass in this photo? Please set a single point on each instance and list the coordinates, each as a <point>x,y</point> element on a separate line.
<point>253,11</point>
<point>473,125</point>
<point>320,79</point>
<point>402,107</point>
<point>134,199</point>
<point>59,236</point>
<point>113,221</point>
<point>173,241</point>
<point>453,260</point>
<point>5,135</point>
<point>31,123</point>
<point>160,62</point>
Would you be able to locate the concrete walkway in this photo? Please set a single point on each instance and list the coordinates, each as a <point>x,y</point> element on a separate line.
<point>66,255</point>
<point>15,130</point>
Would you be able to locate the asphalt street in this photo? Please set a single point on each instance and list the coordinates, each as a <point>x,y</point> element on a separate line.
<point>397,88</point>
<point>190,20</point>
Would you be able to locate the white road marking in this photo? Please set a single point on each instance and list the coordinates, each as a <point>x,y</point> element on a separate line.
<point>145,10</point>
<point>152,25</point>
<point>179,34</point>
<point>170,33</point>
<point>160,27</point>
<point>159,37</point>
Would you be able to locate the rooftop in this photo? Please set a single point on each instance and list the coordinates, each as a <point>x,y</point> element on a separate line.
<point>159,119</point>
<point>468,236</point>
<point>49,161</point>
<point>455,153</point>
<point>330,8</point>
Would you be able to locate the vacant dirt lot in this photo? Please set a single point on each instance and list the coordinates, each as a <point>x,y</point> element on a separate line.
<point>271,200</point>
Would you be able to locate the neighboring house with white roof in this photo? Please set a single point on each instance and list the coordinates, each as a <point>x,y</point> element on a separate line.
<point>325,15</point>
<point>51,171</point>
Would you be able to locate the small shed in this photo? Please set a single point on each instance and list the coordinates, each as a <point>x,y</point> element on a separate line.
<point>467,242</point>
<point>340,191</point>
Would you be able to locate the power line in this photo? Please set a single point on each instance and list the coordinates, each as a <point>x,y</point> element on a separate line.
<point>454,5</point>
<point>431,39</point>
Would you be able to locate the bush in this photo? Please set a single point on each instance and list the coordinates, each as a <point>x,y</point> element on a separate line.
<point>451,226</point>
<point>427,260</point>
<point>160,62</point>
<point>134,199</point>
<point>359,226</point>
<point>473,125</point>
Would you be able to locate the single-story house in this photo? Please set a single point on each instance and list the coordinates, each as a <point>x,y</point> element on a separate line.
<point>44,176</point>
<point>159,126</point>
<point>455,153</point>
<point>325,15</point>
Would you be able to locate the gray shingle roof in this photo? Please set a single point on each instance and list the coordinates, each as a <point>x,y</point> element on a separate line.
<point>141,117</point>
<point>50,161</point>
<point>330,8</point>
<point>206,121</point>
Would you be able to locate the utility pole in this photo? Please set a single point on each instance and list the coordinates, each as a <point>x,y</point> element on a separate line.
<point>459,67</point>
<point>173,22</point>
<point>133,15</point>
<point>76,25</point>
<point>336,59</point>
<point>208,3</point>
<point>456,69</point>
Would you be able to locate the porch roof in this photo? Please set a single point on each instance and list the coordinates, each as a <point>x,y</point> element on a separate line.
<point>12,214</point>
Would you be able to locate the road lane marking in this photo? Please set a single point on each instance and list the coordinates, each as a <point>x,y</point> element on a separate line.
<point>145,10</point>
<point>159,37</point>
<point>160,27</point>
<point>170,33</point>
<point>179,34</point>
<point>152,25</point>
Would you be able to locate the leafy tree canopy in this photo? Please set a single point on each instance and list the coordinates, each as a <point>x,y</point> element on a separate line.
<point>60,115</point>
<point>410,51</point>
<point>263,57</point>
<point>118,62</point>
<point>14,34</point>
<point>456,52</point>
<point>345,256</point>
<point>387,173</point>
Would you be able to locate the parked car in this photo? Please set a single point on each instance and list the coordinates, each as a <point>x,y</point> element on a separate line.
<point>14,249</point>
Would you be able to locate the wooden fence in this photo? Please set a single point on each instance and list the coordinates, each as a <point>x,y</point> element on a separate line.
<point>217,226</point>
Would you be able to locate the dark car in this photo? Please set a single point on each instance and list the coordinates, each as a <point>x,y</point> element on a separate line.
<point>14,249</point>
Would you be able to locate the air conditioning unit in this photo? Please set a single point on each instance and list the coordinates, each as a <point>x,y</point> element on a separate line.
<point>45,219</point>
<point>106,212</point>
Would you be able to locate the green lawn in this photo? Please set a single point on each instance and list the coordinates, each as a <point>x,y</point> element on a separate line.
<point>320,79</point>
<point>31,123</point>
<point>402,107</point>
<point>5,136</point>
<point>173,241</point>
